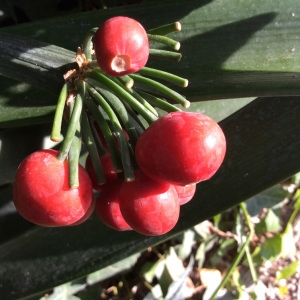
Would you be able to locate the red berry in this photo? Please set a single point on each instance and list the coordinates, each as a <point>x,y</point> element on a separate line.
<point>185,192</point>
<point>108,170</point>
<point>150,207</point>
<point>121,46</point>
<point>181,148</point>
<point>87,215</point>
<point>108,206</point>
<point>42,194</point>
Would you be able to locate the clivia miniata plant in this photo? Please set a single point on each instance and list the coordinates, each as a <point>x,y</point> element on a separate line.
<point>144,163</point>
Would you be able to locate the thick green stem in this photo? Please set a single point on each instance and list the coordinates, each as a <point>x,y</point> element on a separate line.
<point>89,141</point>
<point>240,254</point>
<point>87,45</point>
<point>138,97</point>
<point>131,126</point>
<point>106,131</point>
<point>122,93</point>
<point>166,29</point>
<point>175,45</point>
<point>74,120</point>
<point>161,88</point>
<point>124,147</point>
<point>127,81</point>
<point>59,111</point>
<point>183,82</point>
<point>158,102</point>
<point>165,54</point>
<point>73,159</point>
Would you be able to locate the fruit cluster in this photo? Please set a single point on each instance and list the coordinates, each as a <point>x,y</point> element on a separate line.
<point>141,165</point>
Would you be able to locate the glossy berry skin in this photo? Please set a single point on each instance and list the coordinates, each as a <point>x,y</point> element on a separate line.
<point>150,207</point>
<point>41,191</point>
<point>181,148</point>
<point>108,206</point>
<point>185,192</point>
<point>87,215</point>
<point>121,46</point>
<point>108,171</point>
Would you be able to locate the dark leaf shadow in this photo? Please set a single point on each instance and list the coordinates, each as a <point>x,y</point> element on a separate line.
<point>203,56</point>
<point>46,257</point>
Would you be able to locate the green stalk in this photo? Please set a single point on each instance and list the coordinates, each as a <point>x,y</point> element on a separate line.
<point>87,45</point>
<point>158,102</point>
<point>165,76</point>
<point>100,147</point>
<point>162,88</point>
<point>132,92</point>
<point>127,115</point>
<point>127,81</point>
<point>89,142</point>
<point>74,120</point>
<point>73,159</point>
<point>106,131</point>
<point>164,40</point>
<point>166,29</point>
<point>240,254</point>
<point>131,126</point>
<point>124,147</point>
<point>165,54</point>
<point>122,93</point>
<point>59,111</point>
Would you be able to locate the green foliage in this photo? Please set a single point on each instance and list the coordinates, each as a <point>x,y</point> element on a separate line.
<point>228,53</point>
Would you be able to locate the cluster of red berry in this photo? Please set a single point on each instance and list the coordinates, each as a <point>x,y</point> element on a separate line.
<point>169,157</point>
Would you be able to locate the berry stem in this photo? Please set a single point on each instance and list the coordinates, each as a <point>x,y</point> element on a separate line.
<point>74,120</point>
<point>89,141</point>
<point>161,88</point>
<point>106,131</point>
<point>100,147</point>
<point>122,93</point>
<point>166,29</point>
<point>165,54</point>
<point>138,97</point>
<point>127,81</point>
<point>175,45</point>
<point>118,106</point>
<point>56,126</point>
<point>124,147</point>
<point>87,45</point>
<point>158,102</point>
<point>165,76</point>
<point>73,159</point>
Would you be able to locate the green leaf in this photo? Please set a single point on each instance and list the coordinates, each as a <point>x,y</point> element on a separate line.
<point>65,292</point>
<point>112,270</point>
<point>288,241</point>
<point>272,247</point>
<point>267,199</point>
<point>33,257</point>
<point>238,53</point>
<point>262,138</point>
<point>272,221</point>
<point>288,271</point>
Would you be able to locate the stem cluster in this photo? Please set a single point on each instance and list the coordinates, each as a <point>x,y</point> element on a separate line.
<point>109,113</point>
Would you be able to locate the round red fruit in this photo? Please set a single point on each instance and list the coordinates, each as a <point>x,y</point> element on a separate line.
<point>121,46</point>
<point>185,192</point>
<point>87,215</point>
<point>150,207</point>
<point>181,148</point>
<point>108,170</point>
<point>108,206</point>
<point>42,194</point>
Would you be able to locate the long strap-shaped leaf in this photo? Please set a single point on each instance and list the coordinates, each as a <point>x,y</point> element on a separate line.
<point>263,149</point>
<point>34,62</point>
<point>230,48</point>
